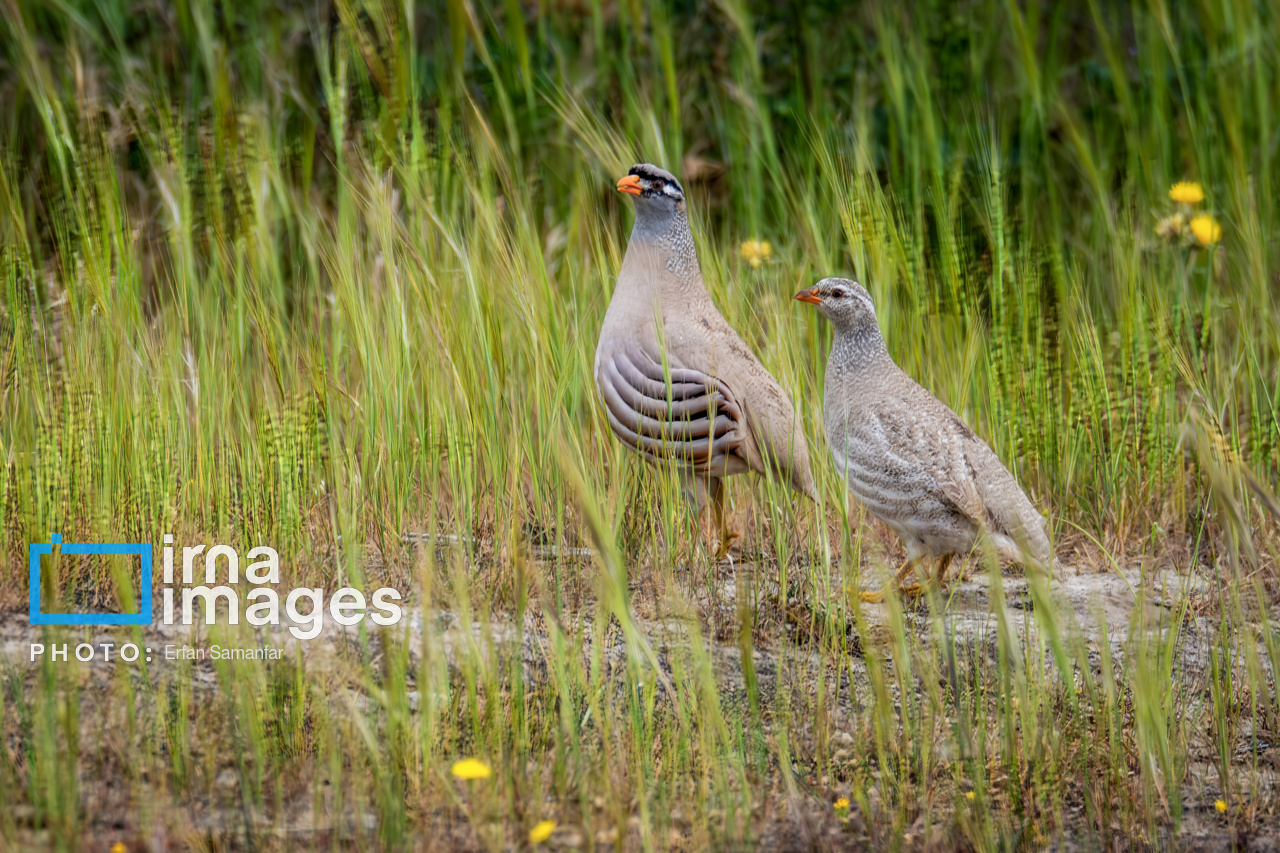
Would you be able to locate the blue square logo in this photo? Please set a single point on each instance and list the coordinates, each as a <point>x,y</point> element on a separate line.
<point>142,550</point>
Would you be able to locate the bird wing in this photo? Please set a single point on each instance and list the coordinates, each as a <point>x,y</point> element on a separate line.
<point>945,445</point>
<point>1008,509</point>
<point>773,441</point>
<point>975,480</point>
<point>777,434</point>
<point>908,453</point>
<point>678,413</point>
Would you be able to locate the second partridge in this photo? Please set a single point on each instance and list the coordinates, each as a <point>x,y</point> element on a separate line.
<point>909,458</point>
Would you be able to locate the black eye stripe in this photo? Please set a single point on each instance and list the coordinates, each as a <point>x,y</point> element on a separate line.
<point>655,178</point>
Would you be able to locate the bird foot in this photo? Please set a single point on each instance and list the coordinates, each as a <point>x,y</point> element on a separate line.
<point>727,540</point>
<point>877,596</point>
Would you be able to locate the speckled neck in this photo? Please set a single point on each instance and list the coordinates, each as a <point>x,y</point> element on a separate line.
<point>856,348</point>
<point>666,225</point>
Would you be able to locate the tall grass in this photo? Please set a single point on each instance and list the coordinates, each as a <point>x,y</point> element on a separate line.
<point>330,278</point>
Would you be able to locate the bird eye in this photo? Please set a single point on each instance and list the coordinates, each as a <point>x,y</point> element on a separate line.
<point>658,185</point>
<point>839,293</point>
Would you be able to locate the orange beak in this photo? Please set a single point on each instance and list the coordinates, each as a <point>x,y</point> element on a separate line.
<point>630,184</point>
<point>810,296</point>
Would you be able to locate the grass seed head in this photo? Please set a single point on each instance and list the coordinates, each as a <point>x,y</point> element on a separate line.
<point>1171,228</point>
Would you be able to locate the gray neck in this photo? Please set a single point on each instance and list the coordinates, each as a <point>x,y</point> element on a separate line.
<point>857,347</point>
<point>667,226</point>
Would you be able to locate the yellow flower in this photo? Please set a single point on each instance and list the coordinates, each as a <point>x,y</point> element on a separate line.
<point>756,252</point>
<point>1186,192</point>
<point>970,795</point>
<point>1206,229</point>
<point>841,807</point>
<point>542,831</point>
<point>1221,806</point>
<point>118,847</point>
<point>471,768</point>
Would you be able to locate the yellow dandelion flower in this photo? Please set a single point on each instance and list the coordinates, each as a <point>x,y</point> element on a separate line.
<point>841,807</point>
<point>970,795</point>
<point>1186,192</point>
<point>471,768</point>
<point>119,847</point>
<point>1221,806</point>
<point>1206,229</point>
<point>542,831</point>
<point>756,252</point>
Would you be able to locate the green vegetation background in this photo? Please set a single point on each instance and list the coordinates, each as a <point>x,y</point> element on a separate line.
<point>264,258</point>
<point>329,277</point>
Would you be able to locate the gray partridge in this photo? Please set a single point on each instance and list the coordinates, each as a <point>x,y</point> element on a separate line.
<point>907,456</point>
<point>678,384</point>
